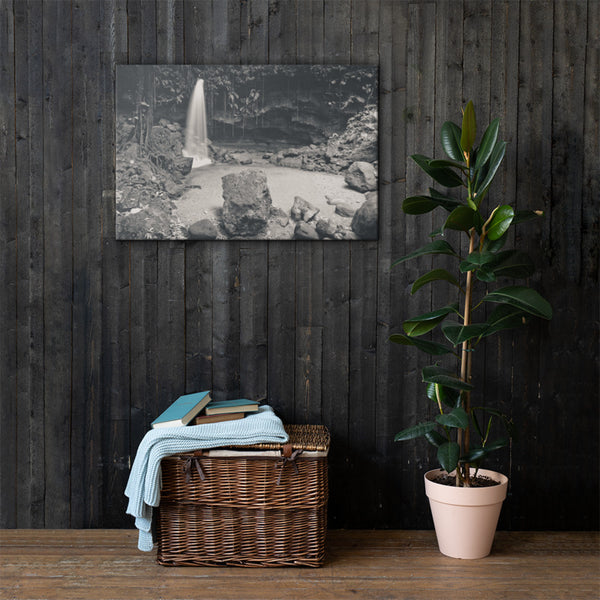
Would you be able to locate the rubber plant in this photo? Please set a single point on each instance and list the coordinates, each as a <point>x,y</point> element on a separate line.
<point>486,264</point>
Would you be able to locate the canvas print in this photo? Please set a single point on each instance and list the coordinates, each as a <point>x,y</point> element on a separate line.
<point>270,152</point>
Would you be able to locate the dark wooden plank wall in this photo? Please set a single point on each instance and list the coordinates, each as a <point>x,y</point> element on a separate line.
<point>99,335</point>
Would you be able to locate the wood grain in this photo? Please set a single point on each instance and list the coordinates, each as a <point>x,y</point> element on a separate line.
<point>86,411</point>
<point>99,335</point>
<point>336,44</point>
<point>197,21</point>
<point>58,261</point>
<point>8,260</point>
<point>103,564</point>
<point>30,264</point>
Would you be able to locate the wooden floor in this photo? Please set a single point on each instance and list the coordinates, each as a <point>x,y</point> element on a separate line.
<point>105,564</point>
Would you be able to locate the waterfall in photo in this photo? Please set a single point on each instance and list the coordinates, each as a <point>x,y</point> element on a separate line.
<point>196,140</point>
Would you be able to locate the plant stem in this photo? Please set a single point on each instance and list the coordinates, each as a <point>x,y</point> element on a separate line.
<point>465,361</point>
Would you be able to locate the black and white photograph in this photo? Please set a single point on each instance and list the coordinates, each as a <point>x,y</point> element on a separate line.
<point>269,152</point>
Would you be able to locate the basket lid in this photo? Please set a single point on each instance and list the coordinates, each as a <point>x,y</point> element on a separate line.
<point>312,438</point>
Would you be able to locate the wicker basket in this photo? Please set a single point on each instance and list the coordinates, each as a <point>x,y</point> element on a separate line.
<point>257,506</point>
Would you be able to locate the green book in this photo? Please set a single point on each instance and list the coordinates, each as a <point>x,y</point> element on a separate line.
<point>231,406</point>
<point>183,410</point>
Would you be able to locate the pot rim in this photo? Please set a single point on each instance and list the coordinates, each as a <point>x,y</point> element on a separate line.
<point>466,496</point>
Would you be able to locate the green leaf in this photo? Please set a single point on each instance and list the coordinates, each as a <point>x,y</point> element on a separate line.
<point>447,395</point>
<point>460,219</point>
<point>414,432</point>
<point>513,263</point>
<point>427,346</point>
<point>450,138</point>
<point>494,245</point>
<point>444,176</point>
<point>484,274</point>
<point>521,216</point>
<point>503,317</point>
<point>496,445</point>
<point>439,196</point>
<point>524,298</point>
<point>435,374</point>
<point>435,275</point>
<point>435,438</point>
<point>419,205</point>
<point>457,419</point>
<point>469,128</point>
<point>494,162</point>
<point>457,334</point>
<point>475,260</point>
<point>428,321</point>
<point>477,220</point>
<point>440,163</point>
<point>476,453</point>
<point>506,420</point>
<point>448,455</point>
<point>488,141</point>
<point>437,247</point>
<point>500,222</point>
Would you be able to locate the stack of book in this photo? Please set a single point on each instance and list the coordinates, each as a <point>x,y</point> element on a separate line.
<point>200,408</point>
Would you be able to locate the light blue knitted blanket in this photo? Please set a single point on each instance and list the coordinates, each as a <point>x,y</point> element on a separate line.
<point>144,485</point>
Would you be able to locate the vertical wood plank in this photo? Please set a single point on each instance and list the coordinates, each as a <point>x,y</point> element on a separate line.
<point>397,374</point>
<point>569,342</point>
<point>534,152</point>
<point>8,261</point>
<point>500,350</point>
<point>30,235</point>
<point>590,252</point>
<point>86,411</point>
<point>96,328</point>
<point>567,134</point>
<point>254,255</point>
<point>282,254</point>
<point>309,259</point>
<point>363,395</point>
<point>420,138</point>
<point>197,27</point>
<point>58,257</point>
<point>230,24</point>
<point>477,30</point>
<point>146,402</point>
<point>392,93</point>
<point>456,36</point>
<point>116,288</point>
<point>336,26</point>
<point>171,255</point>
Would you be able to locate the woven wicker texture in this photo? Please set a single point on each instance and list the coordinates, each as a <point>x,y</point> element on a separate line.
<point>313,438</point>
<point>246,511</point>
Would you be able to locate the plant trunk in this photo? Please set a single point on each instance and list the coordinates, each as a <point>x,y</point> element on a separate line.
<point>465,368</point>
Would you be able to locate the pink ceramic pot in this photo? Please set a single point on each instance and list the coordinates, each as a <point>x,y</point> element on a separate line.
<point>465,519</point>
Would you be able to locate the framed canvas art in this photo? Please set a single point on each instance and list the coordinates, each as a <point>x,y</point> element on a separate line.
<point>269,152</point>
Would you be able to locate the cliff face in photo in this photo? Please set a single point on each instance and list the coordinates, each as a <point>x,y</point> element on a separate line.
<point>277,104</point>
<point>149,178</point>
<point>356,143</point>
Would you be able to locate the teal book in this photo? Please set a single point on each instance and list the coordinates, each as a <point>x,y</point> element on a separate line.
<point>183,410</point>
<point>232,406</point>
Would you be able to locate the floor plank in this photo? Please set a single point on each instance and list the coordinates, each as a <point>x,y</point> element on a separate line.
<point>105,564</point>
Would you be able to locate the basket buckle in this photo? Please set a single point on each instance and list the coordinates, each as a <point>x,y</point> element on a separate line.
<point>187,468</point>
<point>288,456</point>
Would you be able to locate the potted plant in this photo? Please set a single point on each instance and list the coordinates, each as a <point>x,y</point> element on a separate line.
<point>463,430</point>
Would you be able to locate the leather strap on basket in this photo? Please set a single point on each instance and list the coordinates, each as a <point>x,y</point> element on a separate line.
<point>288,456</point>
<point>187,468</point>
